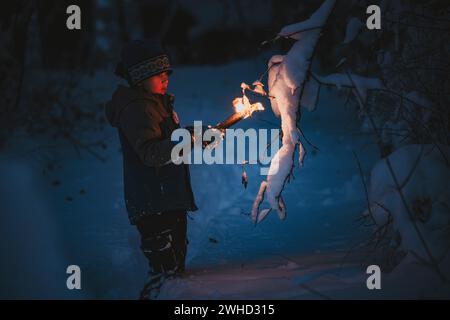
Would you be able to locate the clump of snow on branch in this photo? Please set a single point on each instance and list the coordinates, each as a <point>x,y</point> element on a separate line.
<point>288,76</point>
<point>350,80</point>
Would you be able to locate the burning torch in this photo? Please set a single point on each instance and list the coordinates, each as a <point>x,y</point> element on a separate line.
<point>243,109</point>
<point>242,106</point>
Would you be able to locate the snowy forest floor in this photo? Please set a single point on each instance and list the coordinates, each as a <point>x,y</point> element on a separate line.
<point>324,276</point>
<point>82,219</point>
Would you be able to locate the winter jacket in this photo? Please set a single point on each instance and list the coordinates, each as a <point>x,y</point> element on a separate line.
<point>153,184</point>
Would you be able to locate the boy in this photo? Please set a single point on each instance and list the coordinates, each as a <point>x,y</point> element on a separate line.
<point>158,193</point>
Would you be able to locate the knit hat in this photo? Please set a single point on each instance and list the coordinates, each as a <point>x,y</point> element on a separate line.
<point>142,59</point>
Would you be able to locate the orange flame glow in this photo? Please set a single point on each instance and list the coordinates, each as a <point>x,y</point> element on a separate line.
<point>243,106</point>
<point>238,105</point>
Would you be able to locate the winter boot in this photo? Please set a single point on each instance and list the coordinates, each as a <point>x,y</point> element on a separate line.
<point>152,287</point>
<point>164,260</point>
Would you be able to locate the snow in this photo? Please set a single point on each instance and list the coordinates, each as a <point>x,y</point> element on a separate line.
<point>274,67</point>
<point>426,190</point>
<point>300,277</point>
<point>362,84</point>
<point>32,254</point>
<point>310,95</point>
<point>318,276</point>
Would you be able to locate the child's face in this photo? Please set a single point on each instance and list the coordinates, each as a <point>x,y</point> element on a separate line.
<point>157,84</point>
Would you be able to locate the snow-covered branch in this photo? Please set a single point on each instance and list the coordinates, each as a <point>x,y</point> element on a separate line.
<point>288,77</point>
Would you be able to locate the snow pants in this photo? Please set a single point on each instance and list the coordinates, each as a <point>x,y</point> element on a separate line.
<point>164,243</point>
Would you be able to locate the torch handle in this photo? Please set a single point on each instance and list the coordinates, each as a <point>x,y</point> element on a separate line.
<point>231,120</point>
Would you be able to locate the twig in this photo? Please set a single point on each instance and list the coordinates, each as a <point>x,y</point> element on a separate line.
<point>290,35</point>
<point>365,186</point>
<point>260,79</point>
<point>416,163</point>
<point>307,141</point>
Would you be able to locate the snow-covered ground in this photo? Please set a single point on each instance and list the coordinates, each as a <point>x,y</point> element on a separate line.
<point>46,227</point>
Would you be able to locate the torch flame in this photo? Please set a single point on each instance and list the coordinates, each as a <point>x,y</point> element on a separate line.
<point>243,106</point>
<point>238,105</point>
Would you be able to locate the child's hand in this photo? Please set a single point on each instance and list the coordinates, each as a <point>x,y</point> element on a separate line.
<point>204,128</point>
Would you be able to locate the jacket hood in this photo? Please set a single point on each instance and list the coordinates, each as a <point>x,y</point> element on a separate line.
<point>121,98</point>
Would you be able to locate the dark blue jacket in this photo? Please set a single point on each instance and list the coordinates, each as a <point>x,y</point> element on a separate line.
<point>152,183</point>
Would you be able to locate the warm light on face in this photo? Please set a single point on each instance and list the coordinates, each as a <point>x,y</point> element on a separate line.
<point>158,83</point>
